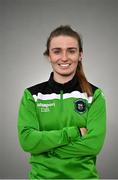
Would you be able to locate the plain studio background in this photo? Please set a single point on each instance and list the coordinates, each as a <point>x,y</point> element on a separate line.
<point>24,28</point>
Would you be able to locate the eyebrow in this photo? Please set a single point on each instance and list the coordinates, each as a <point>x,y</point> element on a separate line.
<point>58,48</point>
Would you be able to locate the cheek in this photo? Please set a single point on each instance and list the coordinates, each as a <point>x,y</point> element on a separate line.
<point>53,59</point>
<point>75,62</point>
<point>75,59</point>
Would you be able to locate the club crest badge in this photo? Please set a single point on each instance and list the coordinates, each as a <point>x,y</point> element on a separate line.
<point>80,105</point>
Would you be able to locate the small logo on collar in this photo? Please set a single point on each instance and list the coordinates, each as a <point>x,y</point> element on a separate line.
<point>80,105</point>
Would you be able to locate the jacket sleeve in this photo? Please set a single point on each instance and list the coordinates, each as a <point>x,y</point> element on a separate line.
<point>92,142</point>
<point>31,138</point>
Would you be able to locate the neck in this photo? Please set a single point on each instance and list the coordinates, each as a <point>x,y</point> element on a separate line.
<point>62,79</point>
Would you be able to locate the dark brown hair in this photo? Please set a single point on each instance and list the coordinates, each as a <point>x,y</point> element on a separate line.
<point>68,31</point>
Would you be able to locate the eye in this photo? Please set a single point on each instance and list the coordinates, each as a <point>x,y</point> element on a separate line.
<point>72,51</point>
<point>56,52</point>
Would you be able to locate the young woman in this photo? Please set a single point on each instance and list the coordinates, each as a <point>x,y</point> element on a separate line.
<point>61,121</point>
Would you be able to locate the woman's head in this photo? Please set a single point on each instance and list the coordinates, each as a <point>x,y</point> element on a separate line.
<point>64,50</point>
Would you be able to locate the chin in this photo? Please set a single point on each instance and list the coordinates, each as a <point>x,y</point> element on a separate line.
<point>65,73</point>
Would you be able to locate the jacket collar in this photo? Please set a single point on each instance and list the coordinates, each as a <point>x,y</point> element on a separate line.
<point>67,87</point>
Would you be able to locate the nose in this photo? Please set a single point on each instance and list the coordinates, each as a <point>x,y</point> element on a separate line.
<point>64,56</point>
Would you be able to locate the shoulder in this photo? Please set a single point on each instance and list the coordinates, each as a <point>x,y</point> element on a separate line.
<point>41,87</point>
<point>97,92</point>
<point>94,88</point>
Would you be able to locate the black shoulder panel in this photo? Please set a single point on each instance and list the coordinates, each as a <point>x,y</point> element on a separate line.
<point>93,88</point>
<point>40,88</point>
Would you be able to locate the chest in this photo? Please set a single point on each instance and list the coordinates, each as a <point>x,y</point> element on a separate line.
<point>57,113</point>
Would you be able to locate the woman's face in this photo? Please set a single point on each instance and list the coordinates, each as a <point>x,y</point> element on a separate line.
<point>64,55</point>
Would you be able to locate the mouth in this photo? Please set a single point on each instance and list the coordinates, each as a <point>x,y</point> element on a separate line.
<point>66,65</point>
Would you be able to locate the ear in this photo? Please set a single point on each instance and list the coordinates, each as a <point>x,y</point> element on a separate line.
<point>80,56</point>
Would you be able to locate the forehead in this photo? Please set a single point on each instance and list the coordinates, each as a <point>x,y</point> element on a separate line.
<point>63,42</point>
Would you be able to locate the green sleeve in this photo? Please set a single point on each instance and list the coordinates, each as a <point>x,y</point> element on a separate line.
<point>31,138</point>
<point>92,142</point>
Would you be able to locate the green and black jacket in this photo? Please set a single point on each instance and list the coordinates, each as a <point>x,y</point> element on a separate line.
<point>50,116</point>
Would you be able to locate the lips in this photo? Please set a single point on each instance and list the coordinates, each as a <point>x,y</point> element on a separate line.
<point>64,65</point>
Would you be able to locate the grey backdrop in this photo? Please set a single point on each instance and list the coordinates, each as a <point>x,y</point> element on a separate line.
<point>24,28</point>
